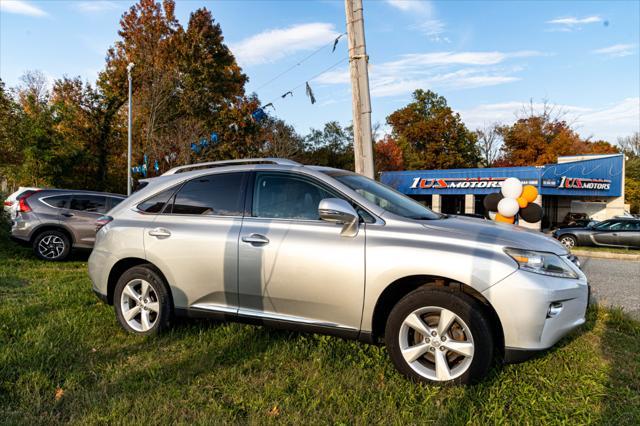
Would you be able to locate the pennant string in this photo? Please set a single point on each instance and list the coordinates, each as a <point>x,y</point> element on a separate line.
<point>335,42</point>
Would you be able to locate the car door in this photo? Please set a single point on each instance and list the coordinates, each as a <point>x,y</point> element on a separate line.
<point>194,240</point>
<point>629,236</point>
<point>80,217</point>
<point>294,267</point>
<point>606,233</point>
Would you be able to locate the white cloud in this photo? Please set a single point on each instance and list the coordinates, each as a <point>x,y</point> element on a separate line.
<point>607,122</point>
<point>441,70</point>
<point>571,23</point>
<point>96,6</point>
<point>271,45</point>
<point>411,5</point>
<point>424,12</point>
<point>617,50</point>
<point>21,7</point>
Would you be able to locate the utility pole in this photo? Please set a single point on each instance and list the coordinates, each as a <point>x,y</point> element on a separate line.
<point>358,60</point>
<point>129,68</point>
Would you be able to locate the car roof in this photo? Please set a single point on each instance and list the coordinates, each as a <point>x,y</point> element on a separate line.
<point>58,191</point>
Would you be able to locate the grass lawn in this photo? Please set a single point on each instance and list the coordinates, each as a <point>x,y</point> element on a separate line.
<point>608,249</point>
<point>63,358</point>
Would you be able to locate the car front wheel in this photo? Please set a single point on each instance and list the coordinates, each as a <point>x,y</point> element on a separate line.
<point>141,301</point>
<point>437,336</point>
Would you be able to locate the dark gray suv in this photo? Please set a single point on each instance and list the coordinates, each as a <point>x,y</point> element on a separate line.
<point>53,221</point>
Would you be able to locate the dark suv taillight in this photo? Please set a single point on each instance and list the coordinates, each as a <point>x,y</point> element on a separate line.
<point>102,221</point>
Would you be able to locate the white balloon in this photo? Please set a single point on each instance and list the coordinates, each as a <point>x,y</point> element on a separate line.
<point>512,188</point>
<point>508,207</point>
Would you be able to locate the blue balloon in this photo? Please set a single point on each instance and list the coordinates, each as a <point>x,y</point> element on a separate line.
<point>214,137</point>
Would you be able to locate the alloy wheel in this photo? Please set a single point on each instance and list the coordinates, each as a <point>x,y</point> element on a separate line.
<point>568,242</point>
<point>51,246</point>
<point>140,305</point>
<point>436,343</point>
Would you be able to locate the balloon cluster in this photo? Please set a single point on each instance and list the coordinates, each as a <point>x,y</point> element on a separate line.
<point>513,199</point>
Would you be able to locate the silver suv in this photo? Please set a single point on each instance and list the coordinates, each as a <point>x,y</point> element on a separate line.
<point>53,221</point>
<point>274,242</point>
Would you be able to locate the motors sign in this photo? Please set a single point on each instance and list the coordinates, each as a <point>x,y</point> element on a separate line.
<point>583,183</point>
<point>456,183</point>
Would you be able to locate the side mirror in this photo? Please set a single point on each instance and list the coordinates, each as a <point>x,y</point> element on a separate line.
<point>339,211</point>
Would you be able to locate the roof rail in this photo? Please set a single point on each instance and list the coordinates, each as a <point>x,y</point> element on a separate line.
<point>212,164</point>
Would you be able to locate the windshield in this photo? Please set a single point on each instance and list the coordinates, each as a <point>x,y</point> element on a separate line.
<point>386,197</point>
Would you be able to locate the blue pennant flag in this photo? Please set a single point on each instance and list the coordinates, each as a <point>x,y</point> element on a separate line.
<point>146,160</point>
<point>258,114</point>
<point>195,148</point>
<point>204,143</point>
<point>156,166</point>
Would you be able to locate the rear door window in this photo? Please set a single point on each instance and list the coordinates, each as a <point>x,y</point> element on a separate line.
<point>89,203</point>
<point>57,201</point>
<point>212,195</point>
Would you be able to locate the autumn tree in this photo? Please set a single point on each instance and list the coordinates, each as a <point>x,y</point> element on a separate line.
<point>541,137</point>
<point>388,155</point>
<point>488,141</point>
<point>630,146</point>
<point>331,146</point>
<point>431,135</point>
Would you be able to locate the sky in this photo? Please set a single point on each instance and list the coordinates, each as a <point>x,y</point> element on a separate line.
<point>487,58</point>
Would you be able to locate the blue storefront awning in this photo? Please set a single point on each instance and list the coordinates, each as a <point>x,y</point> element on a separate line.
<point>590,177</point>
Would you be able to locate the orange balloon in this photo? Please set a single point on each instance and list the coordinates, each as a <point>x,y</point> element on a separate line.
<point>522,202</point>
<point>529,193</point>
<point>504,219</point>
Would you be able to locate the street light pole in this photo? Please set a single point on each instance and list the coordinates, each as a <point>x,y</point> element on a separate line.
<point>129,68</point>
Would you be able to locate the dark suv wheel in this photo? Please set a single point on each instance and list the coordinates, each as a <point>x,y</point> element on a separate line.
<point>440,336</point>
<point>52,245</point>
<point>141,301</point>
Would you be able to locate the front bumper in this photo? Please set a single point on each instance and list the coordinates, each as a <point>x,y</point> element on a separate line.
<point>523,301</point>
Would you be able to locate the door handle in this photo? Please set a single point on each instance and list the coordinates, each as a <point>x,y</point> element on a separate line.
<point>160,233</point>
<point>67,214</point>
<point>255,239</point>
<point>615,234</point>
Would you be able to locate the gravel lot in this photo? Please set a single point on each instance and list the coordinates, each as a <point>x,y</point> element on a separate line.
<point>614,282</point>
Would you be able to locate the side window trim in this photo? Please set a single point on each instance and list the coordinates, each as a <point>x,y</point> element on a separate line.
<point>67,199</point>
<point>243,187</point>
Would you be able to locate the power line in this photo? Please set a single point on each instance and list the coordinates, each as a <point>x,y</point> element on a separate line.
<point>326,70</point>
<point>309,56</point>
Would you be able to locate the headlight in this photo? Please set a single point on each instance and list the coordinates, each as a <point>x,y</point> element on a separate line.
<point>541,263</point>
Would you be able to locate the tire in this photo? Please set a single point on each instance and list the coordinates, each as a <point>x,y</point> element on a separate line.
<point>569,241</point>
<point>469,332</point>
<point>52,245</point>
<point>140,311</point>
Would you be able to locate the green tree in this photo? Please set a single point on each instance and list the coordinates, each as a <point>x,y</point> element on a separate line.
<point>431,135</point>
<point>332,146</point>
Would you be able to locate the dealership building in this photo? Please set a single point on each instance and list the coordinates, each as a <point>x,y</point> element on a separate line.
<point>591,184</point>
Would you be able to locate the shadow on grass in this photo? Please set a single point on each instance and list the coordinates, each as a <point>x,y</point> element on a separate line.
<point>621,337</point>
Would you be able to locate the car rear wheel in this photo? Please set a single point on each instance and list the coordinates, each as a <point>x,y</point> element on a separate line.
<point>437,336</point>
<point>141,301</point>
<point>52,245</point>
<point>569,241</point>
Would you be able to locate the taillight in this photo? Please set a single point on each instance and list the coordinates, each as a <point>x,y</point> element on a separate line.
<point>23,205</point>
<point>102,221</point>
<point>8,203</point>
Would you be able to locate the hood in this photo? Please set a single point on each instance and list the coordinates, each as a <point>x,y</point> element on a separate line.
<point>491,232</point>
